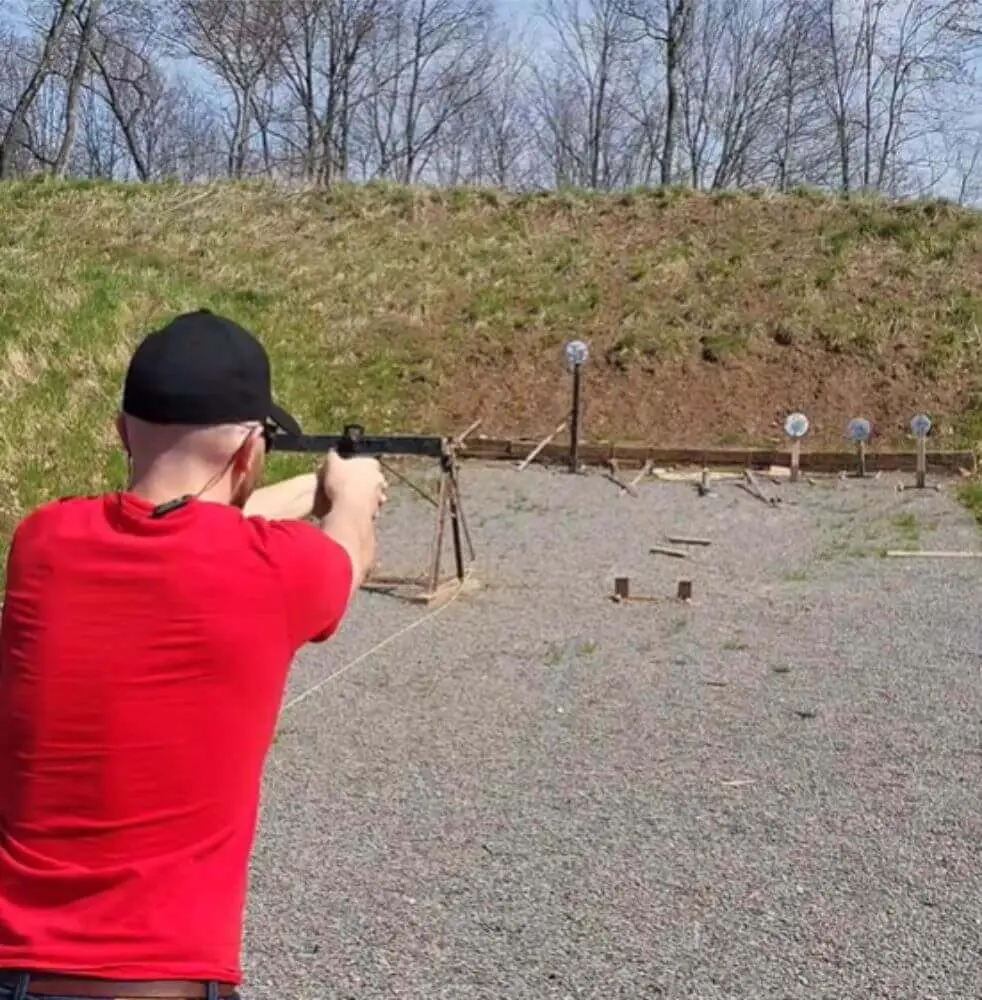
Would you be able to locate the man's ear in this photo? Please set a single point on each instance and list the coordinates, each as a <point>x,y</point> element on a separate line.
<point>249,454</point>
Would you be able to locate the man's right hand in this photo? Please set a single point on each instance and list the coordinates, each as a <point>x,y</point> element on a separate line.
<point>355,484</point>
<point>351,491</point>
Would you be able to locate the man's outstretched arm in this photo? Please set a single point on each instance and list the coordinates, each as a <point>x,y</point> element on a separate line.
<point>291,500</point>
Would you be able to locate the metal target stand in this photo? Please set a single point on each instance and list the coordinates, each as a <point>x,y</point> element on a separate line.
<point>430,587</point>
<point>920,427</point>
<point>859,431</point>
<point>433,587</point>
<point>796,427</point>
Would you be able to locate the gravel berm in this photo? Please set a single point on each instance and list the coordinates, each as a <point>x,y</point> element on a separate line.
<point>773,791</point>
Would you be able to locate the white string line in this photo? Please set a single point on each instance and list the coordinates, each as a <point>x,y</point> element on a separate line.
<point>314,688</point>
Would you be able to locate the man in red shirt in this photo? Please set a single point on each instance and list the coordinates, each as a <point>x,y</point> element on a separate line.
<point>146,640</point>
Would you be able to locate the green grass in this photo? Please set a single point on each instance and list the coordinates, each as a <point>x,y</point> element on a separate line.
<point>908,529</point>
<point>970,496</point>
<point>424,309</point>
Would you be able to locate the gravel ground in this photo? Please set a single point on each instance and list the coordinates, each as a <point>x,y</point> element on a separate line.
<point>771,792</point>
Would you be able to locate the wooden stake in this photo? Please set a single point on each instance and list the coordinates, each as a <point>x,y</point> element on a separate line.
<point>441,522</point>
<point>685,590</point>
<point>703,486</point>
<point>921,474</point>
<point>622,588</point>
<point>795,459</point>
<point>533,454</point>
<point>680,540</point>
<point>861,457</point>
<point>459,440</point>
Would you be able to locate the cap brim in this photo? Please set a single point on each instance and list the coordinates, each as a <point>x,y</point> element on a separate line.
<point>283,420</point>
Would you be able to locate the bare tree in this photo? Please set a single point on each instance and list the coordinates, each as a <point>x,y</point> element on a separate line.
<point>323,43</point>
<point>588,64</point>
<point>86,16</point>
<point>59,18</point>
<point>886,64</point>
<point>732,89</point>
<point>965,159</point>
<point>667,24</point>
<point>796,150</point>
<point>240,42</point>
<point>501,134</point>
<point>428,61</point>
<point>125,54</point>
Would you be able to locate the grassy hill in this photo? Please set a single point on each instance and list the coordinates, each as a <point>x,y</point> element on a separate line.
<point>709,317</point>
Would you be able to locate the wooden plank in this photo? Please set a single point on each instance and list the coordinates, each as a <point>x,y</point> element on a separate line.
<point>754,488</point>
<point>541,446</point>
<point>459,440</point>
<point>927,554</point>
<point>683,540</point>
<point>645,470</point>
<point>600,454</point>
<point>658,550</point>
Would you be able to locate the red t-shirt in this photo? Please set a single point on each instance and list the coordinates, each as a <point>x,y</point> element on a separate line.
<point>142,669</point>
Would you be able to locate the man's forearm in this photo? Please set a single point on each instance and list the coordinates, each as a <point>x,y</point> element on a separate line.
<point>354,530</point>
<point>290,500</point>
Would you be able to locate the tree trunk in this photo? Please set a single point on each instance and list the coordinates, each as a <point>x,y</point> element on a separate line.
<point>26,100</point>
<point>81,68</point>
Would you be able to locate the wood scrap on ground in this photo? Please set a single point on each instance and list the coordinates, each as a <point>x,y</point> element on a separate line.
<point>657,550</point>
<point>928,554</point>
<point>675,476</point>
<point>613,474</point>
<point>752,485</point>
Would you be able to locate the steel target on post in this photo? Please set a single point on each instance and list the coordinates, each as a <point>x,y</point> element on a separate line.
<point>577,354</point>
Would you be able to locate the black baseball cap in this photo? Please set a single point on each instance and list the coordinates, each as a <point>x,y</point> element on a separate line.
<point>204,369</point>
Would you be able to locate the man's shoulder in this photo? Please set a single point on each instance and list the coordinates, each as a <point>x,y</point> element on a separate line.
<point>60,509</point>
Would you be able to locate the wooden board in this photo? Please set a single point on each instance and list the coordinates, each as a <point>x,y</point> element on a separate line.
<point>925,554</point>
<point>633,455</point>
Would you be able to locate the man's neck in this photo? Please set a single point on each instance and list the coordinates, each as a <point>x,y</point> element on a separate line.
<point>156,489</point>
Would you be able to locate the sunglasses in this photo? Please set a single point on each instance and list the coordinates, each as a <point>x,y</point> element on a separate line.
<point>269,431</point>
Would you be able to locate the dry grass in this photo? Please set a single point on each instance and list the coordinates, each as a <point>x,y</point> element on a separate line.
<point>708,316</point>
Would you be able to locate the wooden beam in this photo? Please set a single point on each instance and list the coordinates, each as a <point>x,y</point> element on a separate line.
<point>635,456</point>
